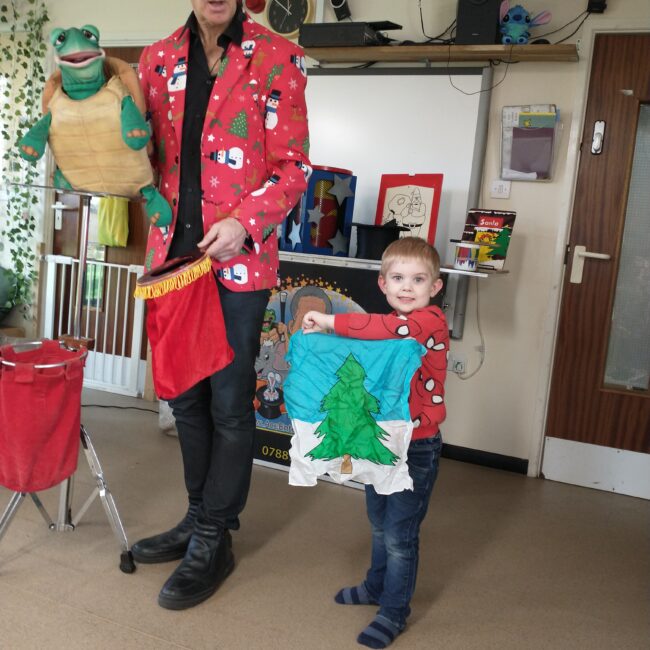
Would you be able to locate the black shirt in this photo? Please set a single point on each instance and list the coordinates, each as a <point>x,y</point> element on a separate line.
<point>198,88</point>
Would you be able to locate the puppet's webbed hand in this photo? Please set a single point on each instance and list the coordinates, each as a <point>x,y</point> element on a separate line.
<point>32,144</point>
<point>135,130</point>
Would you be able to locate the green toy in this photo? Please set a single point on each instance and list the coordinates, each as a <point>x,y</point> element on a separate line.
<point>93,120</point>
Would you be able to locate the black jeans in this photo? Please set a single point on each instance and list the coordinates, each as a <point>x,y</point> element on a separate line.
<point>216,420</point>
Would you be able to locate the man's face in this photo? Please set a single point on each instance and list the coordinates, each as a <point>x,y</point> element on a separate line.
<point>215,13</point>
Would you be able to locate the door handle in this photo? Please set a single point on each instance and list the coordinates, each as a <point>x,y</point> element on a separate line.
<point>598,137</point>
<point>578,263</point>
<point>58,208</point>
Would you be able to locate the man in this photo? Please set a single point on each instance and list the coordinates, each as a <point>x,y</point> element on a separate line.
<point>230,180</point>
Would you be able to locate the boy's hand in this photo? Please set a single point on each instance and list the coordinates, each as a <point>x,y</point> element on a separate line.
<point>316,321</point>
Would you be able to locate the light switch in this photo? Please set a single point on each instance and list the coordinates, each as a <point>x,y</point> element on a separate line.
<point>500,189</point>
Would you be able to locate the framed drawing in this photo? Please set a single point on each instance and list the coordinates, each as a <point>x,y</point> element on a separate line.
<point>411,200</point>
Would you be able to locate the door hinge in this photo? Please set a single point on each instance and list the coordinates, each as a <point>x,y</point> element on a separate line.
<point>566,254</point>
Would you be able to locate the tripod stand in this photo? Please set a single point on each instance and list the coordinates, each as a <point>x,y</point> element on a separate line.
<point>65,521</point>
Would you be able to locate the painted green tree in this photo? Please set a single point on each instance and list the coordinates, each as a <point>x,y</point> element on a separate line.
<point>501,244</point>
<point>349,430</point>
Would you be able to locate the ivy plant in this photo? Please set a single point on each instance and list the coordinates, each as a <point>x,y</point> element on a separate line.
<point>22,77</point>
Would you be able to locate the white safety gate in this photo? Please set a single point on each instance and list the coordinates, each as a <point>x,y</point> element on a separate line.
<point>108,307</point>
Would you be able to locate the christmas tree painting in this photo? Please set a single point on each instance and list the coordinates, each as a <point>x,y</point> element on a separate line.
<point>500,245</point>
<point>349,429</point>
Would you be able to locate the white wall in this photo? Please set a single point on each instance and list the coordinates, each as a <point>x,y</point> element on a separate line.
<point>501,409</point>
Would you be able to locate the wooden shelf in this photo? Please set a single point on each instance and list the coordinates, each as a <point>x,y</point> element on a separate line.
<point>443,53</point>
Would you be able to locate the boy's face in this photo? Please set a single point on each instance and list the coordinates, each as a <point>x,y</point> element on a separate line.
<point>408,285</point>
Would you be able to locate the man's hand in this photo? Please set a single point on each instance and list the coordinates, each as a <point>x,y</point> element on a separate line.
<point>316,321</point>
<point>224,240</point>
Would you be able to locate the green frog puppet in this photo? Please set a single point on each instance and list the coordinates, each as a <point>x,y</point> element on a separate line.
<point>93,120</point>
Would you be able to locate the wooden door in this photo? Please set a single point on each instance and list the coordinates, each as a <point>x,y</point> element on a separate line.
<point>599,395</point>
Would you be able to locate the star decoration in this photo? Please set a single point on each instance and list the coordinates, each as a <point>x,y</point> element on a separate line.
<point>339,243</point>
<point>294,236</point>
<point>341,188</point>
<point>315,215</point>
<point>211,137</point>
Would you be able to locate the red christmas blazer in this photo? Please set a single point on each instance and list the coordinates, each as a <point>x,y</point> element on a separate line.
<point>254,149</point>
<point>427,326</point>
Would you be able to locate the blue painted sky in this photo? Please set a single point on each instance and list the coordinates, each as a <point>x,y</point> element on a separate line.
<point>315,358</point>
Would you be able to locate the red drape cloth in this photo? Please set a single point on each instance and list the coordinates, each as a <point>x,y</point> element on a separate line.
<point>185,324</point>
<point>39,415</point>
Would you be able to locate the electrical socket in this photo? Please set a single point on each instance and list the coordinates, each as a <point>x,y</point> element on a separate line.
<point>457,363</point>
<point>596,6</point>
<point>500,189</point>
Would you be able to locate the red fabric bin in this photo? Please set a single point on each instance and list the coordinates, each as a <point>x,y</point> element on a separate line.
<point>39,415</point>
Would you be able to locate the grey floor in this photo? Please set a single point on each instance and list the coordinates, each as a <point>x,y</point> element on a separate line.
<point>506,561</point>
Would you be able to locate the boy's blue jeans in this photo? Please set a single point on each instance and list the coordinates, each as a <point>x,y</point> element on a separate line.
<point>395,520</point>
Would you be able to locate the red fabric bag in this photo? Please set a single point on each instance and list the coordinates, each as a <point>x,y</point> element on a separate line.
<point>39,415</point>
<point>184,324</point>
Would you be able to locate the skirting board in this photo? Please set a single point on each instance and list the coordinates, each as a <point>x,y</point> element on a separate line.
<point>594,466</point>
<point>464,454</point>
<point>485,458</point>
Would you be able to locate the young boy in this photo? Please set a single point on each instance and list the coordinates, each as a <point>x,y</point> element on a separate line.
<point>409,277</point>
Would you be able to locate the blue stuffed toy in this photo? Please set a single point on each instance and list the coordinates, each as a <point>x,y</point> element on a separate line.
<point>516,22</point>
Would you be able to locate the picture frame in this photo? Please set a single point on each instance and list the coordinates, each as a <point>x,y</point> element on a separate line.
<point>413,201</point>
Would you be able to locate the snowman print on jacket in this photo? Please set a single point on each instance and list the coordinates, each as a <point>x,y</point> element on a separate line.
<point>271,117</point>
<point>233,157</point>
<point>248,47</point>
<point>272,180</point>
<point>178,79</point>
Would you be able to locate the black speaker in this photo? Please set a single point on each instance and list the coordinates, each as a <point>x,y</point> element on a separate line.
<point>477,22</point>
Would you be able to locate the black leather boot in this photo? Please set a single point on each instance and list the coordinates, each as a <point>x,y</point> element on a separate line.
<point>167,546</point>
<point>207,563</point>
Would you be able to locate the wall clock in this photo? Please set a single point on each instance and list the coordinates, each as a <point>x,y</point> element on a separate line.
<point>286,16</point>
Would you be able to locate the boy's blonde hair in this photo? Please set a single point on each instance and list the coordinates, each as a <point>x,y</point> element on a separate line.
<point>411,248</point>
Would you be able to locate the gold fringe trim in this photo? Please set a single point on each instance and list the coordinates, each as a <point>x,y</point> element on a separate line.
<point>175,282</point>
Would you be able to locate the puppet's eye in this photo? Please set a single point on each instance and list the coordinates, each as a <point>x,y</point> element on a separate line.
<point>527,19</point>
<point>506,19</point>
<point>61,38</point>
<point>90,32</point>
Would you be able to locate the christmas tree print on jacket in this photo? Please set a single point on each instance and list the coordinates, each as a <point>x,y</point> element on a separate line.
<point>349,430</point>
<point>348,403</point>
